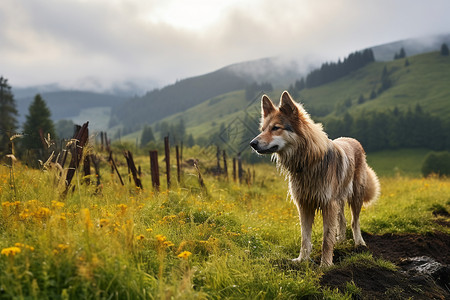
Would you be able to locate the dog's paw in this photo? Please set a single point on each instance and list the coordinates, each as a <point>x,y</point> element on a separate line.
<point>326,264</point>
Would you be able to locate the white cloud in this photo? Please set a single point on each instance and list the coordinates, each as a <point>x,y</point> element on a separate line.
<point>69,41</point>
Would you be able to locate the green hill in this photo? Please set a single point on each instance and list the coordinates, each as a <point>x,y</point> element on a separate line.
<point>175,98</point>
<point>424,81</point>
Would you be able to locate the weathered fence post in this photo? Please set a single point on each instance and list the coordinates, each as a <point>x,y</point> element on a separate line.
<point>101,141</point>
<point>87,170</point>
<point>225,167</point>
<point>96,162</point>
<point>114,167</point>
<point>167,153</point>
<point>178,164</point>
<point>132,168</point>
<point>200,178</point>
<point>80,139</point>
<point>154,169</point>
<point>219,170</point>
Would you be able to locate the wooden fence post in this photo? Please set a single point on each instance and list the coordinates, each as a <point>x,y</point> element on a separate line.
<point>178,164</point>
<point>167,153</point>
<point>132,168</point>
<point>101,141</point>
<point>225,167</point>
<point>154,169</point>
<point>114,167</point>
<point>219,170</point>
<point>200,178</point>
<point>80,139</point>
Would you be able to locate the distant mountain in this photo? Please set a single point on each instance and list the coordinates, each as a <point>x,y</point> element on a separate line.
<point>175,98</point>
<point>412,46</point>
<point>64,104</point>
<point>187,93</point>
<point>276,71</point>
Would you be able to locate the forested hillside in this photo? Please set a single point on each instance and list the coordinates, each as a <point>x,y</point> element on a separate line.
<point>175,98</point>
<point>386,105</point>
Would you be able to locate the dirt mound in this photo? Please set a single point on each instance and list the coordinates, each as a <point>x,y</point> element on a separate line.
<point>424,273</point>
<point>396,248</point>
<point>379,283</point>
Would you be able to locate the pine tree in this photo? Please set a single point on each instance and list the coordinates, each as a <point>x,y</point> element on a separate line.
<point>8,113</point>
<point>444,50</point>
<point>147,136</point>
<point>38,119</point>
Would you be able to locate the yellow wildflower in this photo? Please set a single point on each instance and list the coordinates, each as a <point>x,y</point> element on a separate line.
<point>63,247</point>
<point>11,251</point>
<point>123,207</point>
<point>184,254</point>
<point>140,237</point>
<point>57,204</point>
<point>42,212</point>
<point>161,238</point>
<point>169,244</point>
<point>24,246</point>
<point>149,230</point>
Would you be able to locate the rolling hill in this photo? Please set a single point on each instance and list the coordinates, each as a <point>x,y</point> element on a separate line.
<point>423,81</point>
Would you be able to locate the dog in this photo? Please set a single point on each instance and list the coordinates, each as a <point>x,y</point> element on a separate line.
<point>323,174</point>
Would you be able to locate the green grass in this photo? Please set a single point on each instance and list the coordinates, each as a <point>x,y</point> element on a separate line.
<point>404,162</point>
<point>125,243</point>
<point>423,82</point>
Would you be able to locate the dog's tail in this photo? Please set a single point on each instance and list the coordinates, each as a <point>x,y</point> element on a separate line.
<point>372,187</point>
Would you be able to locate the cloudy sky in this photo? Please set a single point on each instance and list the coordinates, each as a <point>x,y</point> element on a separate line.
<point>95,43</point>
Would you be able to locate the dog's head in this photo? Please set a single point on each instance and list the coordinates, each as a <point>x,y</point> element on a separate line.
<point>280,126</point>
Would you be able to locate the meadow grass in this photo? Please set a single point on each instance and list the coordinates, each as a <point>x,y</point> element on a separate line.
<point>122,243</point>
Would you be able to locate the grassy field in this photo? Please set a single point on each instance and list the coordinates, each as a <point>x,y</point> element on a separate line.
<point>404,162</point>
<point>228,241</point>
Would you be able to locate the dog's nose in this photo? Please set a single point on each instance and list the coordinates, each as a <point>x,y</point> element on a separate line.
<point>254,143</point>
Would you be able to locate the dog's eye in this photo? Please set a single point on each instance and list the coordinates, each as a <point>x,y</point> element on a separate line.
<point>274,128</point>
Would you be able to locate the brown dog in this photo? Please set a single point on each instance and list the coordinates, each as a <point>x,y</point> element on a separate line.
<point>322,173</point>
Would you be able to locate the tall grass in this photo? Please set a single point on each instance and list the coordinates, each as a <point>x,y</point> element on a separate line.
<point>124,243</point>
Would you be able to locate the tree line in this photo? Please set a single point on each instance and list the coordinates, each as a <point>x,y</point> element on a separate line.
<point>38,131</point>
<point>331,71</point>
<point>393,129</point>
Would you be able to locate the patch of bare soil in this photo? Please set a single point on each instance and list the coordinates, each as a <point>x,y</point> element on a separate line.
<point>424,268</point>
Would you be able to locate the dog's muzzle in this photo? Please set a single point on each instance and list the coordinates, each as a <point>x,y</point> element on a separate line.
<point>256,145</point>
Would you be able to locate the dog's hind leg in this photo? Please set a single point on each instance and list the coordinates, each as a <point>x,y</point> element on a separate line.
<point>306,222</point>
<point>342,223</point>
<point>355,206</point>
<point>330,213</point>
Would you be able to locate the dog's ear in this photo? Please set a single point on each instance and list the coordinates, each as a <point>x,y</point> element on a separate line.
<point>287,105</point>
<point>267,106</point>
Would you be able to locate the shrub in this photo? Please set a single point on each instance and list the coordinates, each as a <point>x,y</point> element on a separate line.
<point>436,163</point>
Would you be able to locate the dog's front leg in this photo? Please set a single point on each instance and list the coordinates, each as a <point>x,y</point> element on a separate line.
<point>329,212</point>
<point>342,223</point>
<point>306,222</point>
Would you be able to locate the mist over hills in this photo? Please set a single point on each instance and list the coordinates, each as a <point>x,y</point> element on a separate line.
<point>65,104</point>
<point>411,46</point>
<point>120,109</point>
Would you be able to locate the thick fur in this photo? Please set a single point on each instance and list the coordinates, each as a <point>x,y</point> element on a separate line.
<point>323,174</point>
